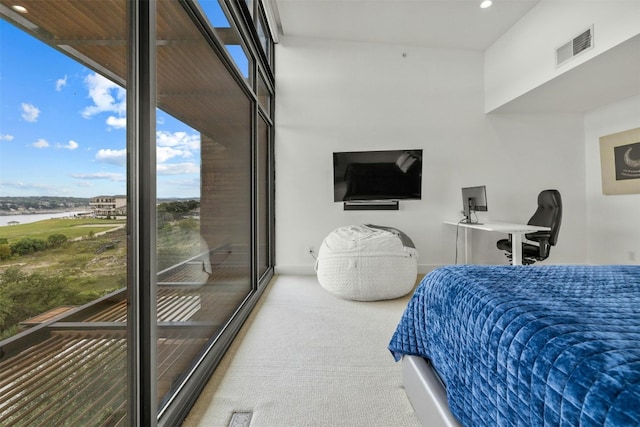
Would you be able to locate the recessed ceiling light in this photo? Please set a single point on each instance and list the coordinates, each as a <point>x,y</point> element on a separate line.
<point>19,9</point>
<point>486,3</point>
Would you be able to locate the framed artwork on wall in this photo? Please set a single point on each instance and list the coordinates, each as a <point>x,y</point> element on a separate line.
<point>620,162</point>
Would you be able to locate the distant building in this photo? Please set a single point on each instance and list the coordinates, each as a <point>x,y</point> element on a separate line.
<point>104,206</point>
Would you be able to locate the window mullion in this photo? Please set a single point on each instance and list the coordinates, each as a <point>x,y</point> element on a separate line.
<point>142,319</point>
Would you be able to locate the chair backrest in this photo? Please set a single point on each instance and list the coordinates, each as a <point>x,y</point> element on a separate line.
<point>548,214</point>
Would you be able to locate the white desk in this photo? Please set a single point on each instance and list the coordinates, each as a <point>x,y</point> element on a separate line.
<point>516,231</point>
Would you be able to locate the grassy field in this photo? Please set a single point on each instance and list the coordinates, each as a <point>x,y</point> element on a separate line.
<point>74,273</point>
<point>78,260</point>
<point>97,261</point>
<point>91,263</point>
<point>73,228</point>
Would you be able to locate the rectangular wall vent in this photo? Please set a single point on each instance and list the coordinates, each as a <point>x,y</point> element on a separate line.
<point>579,44</point>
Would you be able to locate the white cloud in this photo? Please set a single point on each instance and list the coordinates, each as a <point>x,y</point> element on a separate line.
<point>60,83</point>
<point>6,137</point>
<point>170,145</point>
<point>71,145</point>
<point>30,112</point>
<point>166,153</point>
<point>41,143</point>
<point>117,122</point>
<point>176,144</point>
<point>111,176</point>
<point>116,157</point>
<point>177,168</point>
<point>178,139</point>
<point>26,186</point>
<point>107,97</point>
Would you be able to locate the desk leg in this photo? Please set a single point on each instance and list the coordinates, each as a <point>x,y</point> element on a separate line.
<point>467,250</point>
<point>516,248</point>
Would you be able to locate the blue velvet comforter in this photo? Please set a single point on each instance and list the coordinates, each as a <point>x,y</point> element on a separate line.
<point>530,345</point>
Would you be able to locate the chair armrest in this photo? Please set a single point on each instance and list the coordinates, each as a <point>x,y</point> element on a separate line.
<point>539,236</point>
<point>545,248</point>
<point>539,249</point>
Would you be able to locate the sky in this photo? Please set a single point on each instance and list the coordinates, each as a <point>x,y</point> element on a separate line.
<point>62,128</point>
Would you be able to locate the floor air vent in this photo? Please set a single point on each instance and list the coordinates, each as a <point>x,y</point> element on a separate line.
<point>572,48</point>
<point>240,419</point>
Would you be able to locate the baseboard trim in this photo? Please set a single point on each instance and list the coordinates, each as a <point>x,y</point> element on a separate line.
<point>308,270</point>
<point>295,270</point>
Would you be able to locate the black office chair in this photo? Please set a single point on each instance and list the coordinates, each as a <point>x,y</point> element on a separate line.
<point>538,244</point>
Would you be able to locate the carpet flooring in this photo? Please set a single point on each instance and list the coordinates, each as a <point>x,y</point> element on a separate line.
<point>307,358</point>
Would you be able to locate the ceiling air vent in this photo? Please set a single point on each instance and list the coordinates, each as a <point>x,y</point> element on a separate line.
<point>581,43</point>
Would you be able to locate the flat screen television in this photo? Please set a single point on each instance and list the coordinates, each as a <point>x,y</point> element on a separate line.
<point>474,199</point>
<point>360,176</point>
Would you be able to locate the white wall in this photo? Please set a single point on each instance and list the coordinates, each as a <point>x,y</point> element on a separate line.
<point>613,225</point>
<point>524,57</point>
<point>339,96</point>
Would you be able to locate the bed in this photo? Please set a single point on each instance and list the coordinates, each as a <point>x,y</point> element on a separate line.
<point>526,345</point>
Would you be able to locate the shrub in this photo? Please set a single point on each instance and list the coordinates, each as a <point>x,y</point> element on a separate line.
<point>25,295</point>
<point>27,246</point>
<point>56,240</point>
<point>5,251</point>
<point>6,308</point>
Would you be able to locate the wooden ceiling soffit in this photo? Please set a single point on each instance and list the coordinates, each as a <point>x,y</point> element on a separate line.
<point>193,84</point>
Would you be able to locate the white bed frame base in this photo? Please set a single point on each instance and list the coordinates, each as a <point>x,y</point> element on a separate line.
<point>426,393</point>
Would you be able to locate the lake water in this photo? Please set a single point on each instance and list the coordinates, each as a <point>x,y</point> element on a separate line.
<point>24,219</point>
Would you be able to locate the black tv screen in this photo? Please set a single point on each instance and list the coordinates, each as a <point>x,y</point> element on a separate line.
<point>377,175</point>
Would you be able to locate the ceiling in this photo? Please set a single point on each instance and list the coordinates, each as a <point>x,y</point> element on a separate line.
<point>609,77</point>
<point>450,24</point>
<point>462,24</point>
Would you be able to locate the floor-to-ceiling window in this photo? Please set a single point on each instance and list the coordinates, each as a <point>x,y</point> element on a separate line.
<point>195,86</point>
<point>63,281</point>
<point>175,101</point>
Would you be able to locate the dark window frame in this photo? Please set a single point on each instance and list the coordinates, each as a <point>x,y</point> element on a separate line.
<point>141,194</point>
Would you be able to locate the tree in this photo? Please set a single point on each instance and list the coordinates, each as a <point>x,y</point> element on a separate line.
<point>179,209</point>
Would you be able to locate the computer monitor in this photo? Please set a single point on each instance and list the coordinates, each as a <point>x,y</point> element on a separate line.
<point>474,199</point>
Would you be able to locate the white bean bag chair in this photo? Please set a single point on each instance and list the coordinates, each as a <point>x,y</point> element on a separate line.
<point>367,263</point>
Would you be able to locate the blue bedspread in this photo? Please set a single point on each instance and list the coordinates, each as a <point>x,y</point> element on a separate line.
<point>530,345</point>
